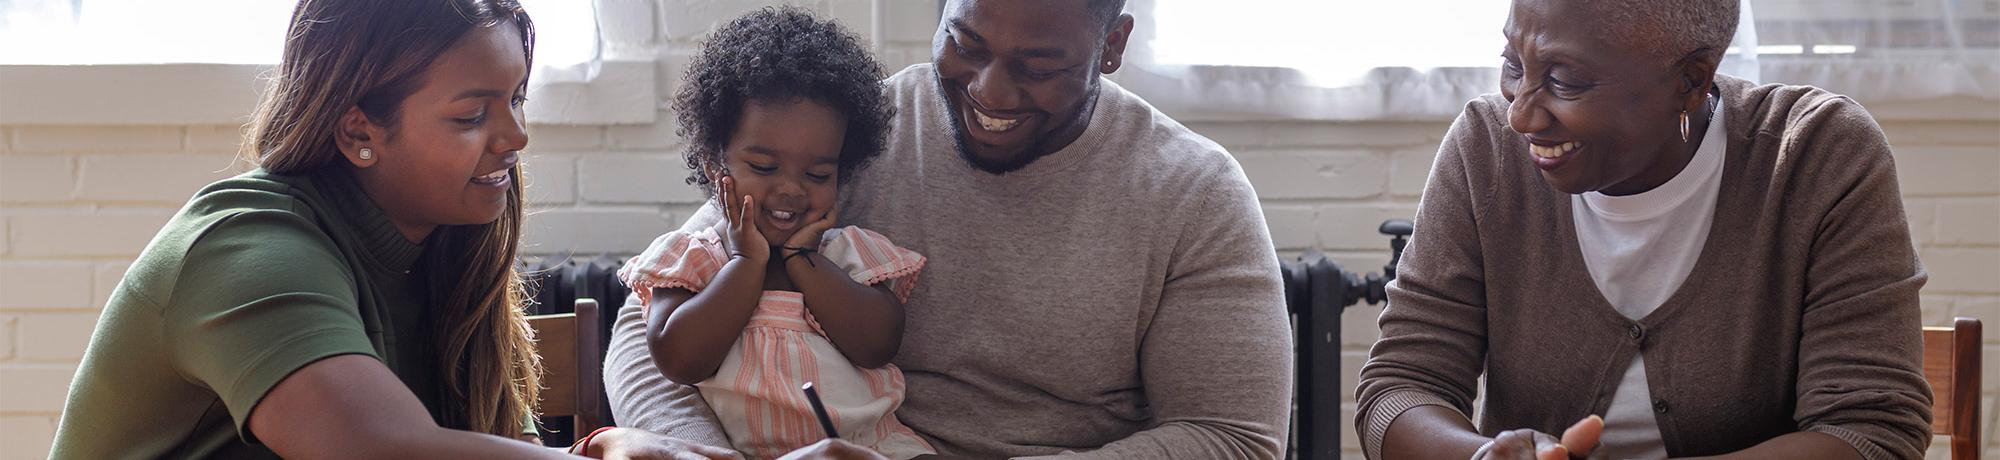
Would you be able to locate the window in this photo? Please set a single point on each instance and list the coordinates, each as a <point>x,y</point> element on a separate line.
<point>1329,40</point>
<point>1351,59</point>
<point>62,32</point>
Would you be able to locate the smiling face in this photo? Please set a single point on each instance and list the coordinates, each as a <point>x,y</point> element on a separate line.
<point>1599,113</point>
<point>1020,77</point>
<point>786,155</point>
<point>449,157</point>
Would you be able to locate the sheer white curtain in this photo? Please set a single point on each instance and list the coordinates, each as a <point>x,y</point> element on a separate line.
<point>1883,50</point>
<point>1369,60</point>
<point>65,32</point>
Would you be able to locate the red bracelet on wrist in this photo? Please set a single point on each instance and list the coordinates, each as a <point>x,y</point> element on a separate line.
<point>582,446</point>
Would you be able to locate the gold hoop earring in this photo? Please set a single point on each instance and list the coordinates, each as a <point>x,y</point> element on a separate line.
<point>1684,126</point>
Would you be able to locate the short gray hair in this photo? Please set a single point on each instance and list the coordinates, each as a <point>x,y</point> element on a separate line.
<point>1670,28</point>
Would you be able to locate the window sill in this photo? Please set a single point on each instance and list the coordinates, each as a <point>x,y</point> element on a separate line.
<point>1211,93</point>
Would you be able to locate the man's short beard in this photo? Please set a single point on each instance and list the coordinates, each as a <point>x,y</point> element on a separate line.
<point>963,140</point>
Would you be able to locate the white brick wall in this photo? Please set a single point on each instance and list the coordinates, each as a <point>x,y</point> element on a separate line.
<point>78,202</point>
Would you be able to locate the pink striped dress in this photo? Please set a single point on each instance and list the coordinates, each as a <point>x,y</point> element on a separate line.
<point>755,394</point>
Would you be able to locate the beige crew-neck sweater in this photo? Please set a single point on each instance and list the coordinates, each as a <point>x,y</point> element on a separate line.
<point>1119,298</point>
<point>1800,314</point>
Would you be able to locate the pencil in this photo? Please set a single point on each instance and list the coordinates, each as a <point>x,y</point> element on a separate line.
<point>819,409</point>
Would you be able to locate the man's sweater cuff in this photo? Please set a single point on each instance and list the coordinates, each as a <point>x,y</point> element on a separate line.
<point>1866,447</point>
<point>1386,409</point>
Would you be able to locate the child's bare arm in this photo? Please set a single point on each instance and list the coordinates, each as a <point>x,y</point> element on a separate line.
<point>689,334</point>
<point>864,322</point>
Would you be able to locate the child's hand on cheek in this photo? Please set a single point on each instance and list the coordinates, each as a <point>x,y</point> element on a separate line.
<point>809,237</point>
<point>740,236</point>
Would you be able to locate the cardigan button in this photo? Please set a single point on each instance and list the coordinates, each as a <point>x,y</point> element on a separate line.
<point>1637,333</point>
<point>1660,405</point>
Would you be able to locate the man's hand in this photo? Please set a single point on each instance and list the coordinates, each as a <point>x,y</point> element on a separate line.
<point>833,449</point>
<point>1527,444</point>
<point>633,443</point>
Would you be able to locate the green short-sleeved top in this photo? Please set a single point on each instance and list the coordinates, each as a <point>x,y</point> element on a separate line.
<point>258,276</point>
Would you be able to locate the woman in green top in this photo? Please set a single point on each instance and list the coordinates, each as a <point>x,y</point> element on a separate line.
<point>354,297</point>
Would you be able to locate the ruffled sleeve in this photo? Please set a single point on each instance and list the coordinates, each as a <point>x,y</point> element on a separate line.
<point>680,259</point>
<point>871,259</point>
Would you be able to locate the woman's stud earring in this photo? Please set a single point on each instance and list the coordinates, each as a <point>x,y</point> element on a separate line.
<point>367,154</point>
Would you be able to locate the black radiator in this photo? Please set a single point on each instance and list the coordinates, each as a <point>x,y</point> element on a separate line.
<point>555,283</point>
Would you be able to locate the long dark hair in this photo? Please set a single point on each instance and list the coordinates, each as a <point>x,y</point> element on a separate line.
<point>372,54</point>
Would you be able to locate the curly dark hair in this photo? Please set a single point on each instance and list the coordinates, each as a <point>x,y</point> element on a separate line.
<point>780,54</point>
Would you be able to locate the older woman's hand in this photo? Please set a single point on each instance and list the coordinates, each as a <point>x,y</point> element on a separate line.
<point>1527,444</point>
<point>633,443</point>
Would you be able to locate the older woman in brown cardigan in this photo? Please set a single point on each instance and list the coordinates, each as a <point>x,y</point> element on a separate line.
<point>1658,260</point>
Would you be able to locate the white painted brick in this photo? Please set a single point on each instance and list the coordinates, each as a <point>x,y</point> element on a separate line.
<point>858,16</point>
<point>44,285</point>
<point>69,233</point>
<point>35,387</point>
<point>1358,226</point>
<point>106,278</point>
<point>1410,169</point>
<point>1986,309</point>
<point>1937,310</point>
<point>1934,132</point>
<point>1975,222</point>
<point>166,179</point>
<point>906,21</point>
<point>687,20</point>
<point>27,435</point>
<point>225,139</point>
<point>1350,443</point>
<point>1987,405</point>
<point>898,57</point>
<point>550,178</point>
<point>1358,330</point>
<point>670,68</point>
<point>1922,214</point>
<point>1962,270</point>
<point>626,21</point>
<point>93,139</point>
<point>590,231</point>
<point>58,337</point>
<point>658,136</point>
<point>1327,174</point>
<point>36,178</point>
<point>1237,136</point>
<point>1291,226</point>
<point>1989,373</point>
<point>634,178</point>
<point>1932,171</point>
<point>557,138</point>
<point>1353,134</point>
<point>1350,377</point>
<point>7,327</point>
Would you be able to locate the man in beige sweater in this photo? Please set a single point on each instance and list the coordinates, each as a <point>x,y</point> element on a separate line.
<point>1100,280</point>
